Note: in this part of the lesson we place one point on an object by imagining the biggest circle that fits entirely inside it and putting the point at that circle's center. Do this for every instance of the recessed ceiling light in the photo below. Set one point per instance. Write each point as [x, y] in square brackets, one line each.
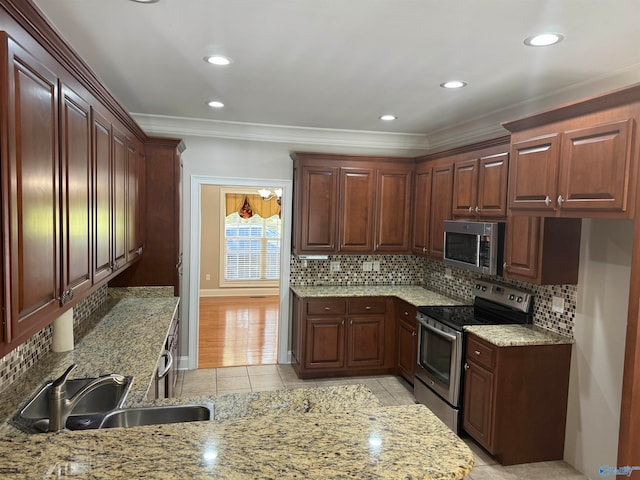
[453, 84]
[543, 39]
[388, 118]
[218, 60]
[216, 104]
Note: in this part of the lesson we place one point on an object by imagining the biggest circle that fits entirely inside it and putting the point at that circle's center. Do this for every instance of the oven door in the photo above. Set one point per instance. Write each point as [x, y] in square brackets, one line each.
[440, 359]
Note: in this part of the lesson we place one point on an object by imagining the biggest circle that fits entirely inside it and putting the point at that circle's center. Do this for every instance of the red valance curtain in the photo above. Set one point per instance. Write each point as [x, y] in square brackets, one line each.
[243, 203]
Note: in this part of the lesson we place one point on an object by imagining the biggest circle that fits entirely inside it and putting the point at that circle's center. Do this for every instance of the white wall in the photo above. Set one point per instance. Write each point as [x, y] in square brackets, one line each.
[597, 363]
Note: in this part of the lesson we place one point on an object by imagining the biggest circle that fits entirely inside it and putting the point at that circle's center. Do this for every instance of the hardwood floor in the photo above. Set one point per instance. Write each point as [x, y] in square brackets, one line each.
[235, 331]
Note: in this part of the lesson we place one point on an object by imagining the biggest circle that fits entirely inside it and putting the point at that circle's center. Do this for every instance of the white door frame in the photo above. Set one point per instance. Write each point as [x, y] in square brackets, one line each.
[194, 261]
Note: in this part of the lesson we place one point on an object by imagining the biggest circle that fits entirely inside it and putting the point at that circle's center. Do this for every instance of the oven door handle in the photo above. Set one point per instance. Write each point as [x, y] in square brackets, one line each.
[446, 335]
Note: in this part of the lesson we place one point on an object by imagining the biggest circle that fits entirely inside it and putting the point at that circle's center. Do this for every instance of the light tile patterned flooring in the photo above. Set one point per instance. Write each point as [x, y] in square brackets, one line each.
[389, 390]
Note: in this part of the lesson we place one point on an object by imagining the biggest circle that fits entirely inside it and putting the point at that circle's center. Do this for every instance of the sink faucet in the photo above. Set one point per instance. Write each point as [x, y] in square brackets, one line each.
[60, 406]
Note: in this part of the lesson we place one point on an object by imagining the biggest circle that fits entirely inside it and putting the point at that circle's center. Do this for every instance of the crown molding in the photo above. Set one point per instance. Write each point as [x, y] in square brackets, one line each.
[299, 136]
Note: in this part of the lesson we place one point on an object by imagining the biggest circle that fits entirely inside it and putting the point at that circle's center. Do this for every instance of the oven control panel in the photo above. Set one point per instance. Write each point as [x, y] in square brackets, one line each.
[507, 295]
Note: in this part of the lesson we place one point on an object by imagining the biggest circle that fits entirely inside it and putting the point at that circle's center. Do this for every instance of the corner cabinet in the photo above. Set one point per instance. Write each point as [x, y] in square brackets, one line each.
[350, 204]
[515, 399]
[339, 336]
[579, 160]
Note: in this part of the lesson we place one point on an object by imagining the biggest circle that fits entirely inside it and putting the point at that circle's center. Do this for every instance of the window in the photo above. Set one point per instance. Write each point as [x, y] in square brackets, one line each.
[252, 249]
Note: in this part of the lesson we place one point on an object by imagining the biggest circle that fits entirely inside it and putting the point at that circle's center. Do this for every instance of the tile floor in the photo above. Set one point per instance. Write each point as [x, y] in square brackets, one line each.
[389, 390]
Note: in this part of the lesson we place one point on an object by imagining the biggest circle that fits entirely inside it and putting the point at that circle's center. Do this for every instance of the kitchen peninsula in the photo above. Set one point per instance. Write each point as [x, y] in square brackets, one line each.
[332, 432]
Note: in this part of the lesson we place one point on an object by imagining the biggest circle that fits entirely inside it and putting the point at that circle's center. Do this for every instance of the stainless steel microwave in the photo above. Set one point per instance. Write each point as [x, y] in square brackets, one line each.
[476, 246]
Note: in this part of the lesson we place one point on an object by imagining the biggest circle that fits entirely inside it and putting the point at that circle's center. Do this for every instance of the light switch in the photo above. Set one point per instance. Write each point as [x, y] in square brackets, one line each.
[335, 266]
[207, 276]
[367, 266]
[376, 266]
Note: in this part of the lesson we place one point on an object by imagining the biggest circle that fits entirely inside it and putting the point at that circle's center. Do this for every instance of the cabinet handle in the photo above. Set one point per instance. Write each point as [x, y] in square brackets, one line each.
[406, 314]
[476, 352]
[466, 366]
[342, 323]
[477, 210]
[350, 322]
[547, 201]
[139, 251]
[413, 334]
[367, 307]
[327, 308]
[424, 250]
[470, 209]
[560, 200]
[505, 265]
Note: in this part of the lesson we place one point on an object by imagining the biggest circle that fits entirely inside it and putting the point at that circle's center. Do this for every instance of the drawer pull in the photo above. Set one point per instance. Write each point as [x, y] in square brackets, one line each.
[476, 352]
[406, 314]
[367, 307]
[327, 308]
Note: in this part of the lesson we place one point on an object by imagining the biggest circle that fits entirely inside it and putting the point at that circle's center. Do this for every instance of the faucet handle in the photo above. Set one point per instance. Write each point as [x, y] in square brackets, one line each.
[60, 381]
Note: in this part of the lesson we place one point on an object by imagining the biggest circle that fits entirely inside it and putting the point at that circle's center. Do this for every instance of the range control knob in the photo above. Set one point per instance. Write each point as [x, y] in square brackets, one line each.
[477, 286]
[484, 289]
[511, 297]
[519, 300]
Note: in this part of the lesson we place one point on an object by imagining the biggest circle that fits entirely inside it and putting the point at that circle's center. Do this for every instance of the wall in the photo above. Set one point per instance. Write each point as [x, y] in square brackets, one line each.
[595, 387]
[18, 361]
[210, 235]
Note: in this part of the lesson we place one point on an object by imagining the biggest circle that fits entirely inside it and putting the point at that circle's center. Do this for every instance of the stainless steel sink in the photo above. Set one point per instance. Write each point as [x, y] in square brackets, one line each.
[88, 413]
[135, 417]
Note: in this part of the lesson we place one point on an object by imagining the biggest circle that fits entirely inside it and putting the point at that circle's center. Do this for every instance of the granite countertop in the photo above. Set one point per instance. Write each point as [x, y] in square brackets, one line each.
[330, 432]
[517, 335]
[413, 294]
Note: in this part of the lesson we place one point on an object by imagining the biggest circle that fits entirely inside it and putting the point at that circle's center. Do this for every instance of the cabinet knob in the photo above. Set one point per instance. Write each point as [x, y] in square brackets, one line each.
[560, 200]
[424, 250]
[547, 201]
[406, 314]
[413, 334]
[327, 308]
[470, 209]
[477, 209]
[367, 307]
[139, 251]
[476, 352]
[505, 265]
[466, 366]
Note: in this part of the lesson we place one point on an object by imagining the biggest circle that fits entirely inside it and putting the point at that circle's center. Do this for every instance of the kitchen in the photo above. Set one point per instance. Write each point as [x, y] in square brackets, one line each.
[268, 160]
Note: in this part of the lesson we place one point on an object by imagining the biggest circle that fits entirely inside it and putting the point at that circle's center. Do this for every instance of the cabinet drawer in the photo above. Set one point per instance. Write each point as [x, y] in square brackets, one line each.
[367, 305]
[406, 312]
[326, 306]
[480, 353]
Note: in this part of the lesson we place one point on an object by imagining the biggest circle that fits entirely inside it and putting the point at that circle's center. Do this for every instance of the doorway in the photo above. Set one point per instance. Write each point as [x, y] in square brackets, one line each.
[244, 324]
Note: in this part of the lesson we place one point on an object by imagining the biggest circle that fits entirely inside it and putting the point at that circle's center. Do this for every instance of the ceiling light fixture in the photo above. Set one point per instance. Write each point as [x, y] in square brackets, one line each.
[543, 39]
[217, 60]
[215, 104]
[453, 84]
[388, 118]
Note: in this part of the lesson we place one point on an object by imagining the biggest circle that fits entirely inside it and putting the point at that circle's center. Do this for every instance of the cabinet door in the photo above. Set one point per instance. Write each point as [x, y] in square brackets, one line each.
[30, 193]
[595, 167]
[119, 205]
[421, 213]
[318, 206]
[77, 205]
[356, 209]
[103, 218]
[465, 188]
[479, 402]
[522, 237]
[492, 185]
[366, 341]
[135, 165]
[532, 173]
[441, 191]
[393, 211]
[407, 349]
[325, 341]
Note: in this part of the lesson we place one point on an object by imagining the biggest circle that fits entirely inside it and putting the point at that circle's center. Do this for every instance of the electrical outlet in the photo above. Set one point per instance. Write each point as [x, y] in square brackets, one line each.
[557, 304]
[367, 266]
[304, 264]
[335, 266]
[376, 266]
[207, 276]
[447, 273]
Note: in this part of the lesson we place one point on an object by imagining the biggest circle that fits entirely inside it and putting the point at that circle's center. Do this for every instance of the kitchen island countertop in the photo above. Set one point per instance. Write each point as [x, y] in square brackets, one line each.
[331, 432]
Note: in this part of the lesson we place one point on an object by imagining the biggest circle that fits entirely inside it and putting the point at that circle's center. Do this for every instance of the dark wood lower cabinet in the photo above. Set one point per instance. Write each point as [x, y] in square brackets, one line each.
[515, 399]
[407, 334]
[342, 336]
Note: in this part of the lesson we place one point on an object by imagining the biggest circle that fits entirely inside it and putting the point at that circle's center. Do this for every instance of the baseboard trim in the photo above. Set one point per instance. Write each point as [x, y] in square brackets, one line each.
[244, 292]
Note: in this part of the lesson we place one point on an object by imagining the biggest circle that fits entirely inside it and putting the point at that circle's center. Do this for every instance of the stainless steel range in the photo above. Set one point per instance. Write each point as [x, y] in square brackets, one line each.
[440, 374]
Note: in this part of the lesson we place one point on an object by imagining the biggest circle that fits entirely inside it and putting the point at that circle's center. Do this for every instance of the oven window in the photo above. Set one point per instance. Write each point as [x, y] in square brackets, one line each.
[462, 247]
[435, 355]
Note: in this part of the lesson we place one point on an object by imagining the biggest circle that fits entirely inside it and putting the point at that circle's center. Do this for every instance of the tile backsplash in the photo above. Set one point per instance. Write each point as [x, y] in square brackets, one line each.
[460, 286]
[413, 270]
[18, 361]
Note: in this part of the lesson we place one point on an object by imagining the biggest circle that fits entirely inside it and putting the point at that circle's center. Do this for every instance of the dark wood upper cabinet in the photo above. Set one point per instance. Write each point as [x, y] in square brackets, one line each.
[356, 209]
[393, 210]
[30, 191]
[349, 204]
[135, 200]
[441, 199]
[76, 190]
[119, 196]
[577, 161]
[421, 230]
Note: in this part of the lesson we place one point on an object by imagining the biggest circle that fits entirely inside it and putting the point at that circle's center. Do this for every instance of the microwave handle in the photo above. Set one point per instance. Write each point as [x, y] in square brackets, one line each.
[478, 251]
[446, 335]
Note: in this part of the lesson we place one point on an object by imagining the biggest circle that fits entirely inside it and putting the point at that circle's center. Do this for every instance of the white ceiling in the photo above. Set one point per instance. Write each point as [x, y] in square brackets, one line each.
[340, 64]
